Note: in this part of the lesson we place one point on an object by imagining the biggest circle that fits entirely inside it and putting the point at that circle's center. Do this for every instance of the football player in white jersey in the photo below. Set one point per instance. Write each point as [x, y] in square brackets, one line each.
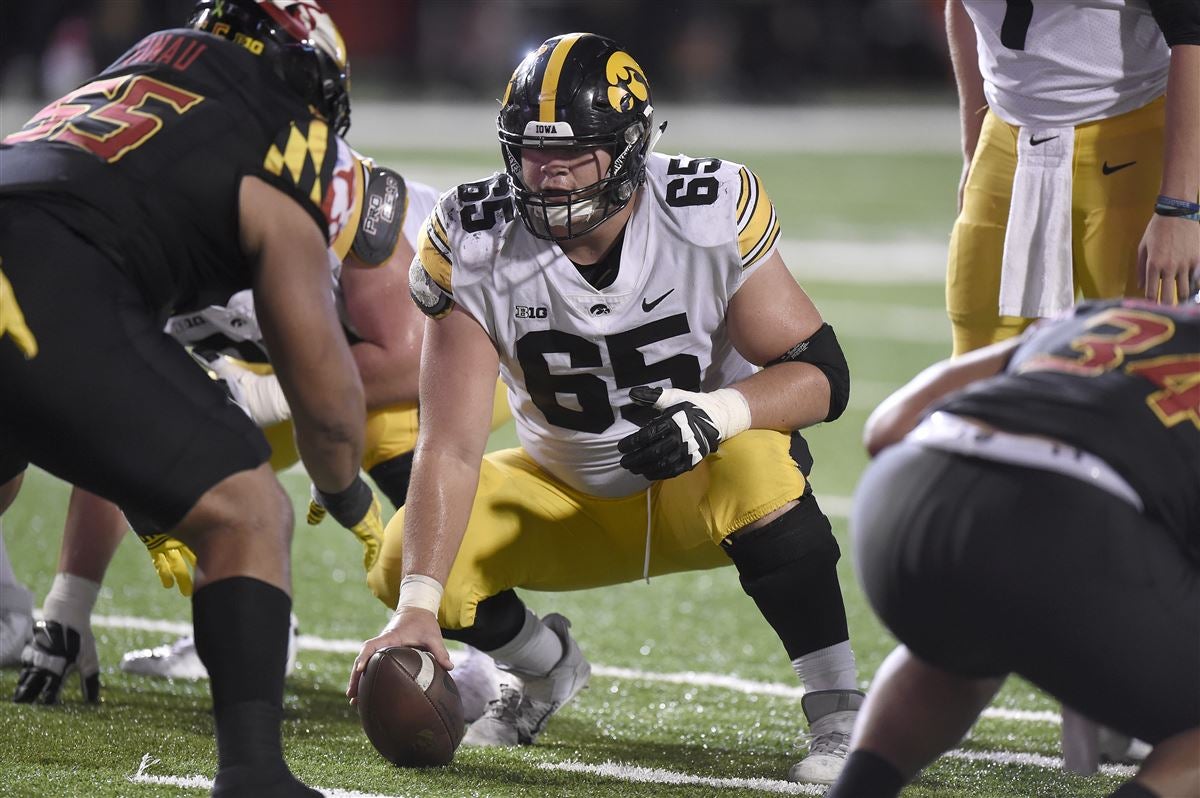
[1081, 146]
[658, 356]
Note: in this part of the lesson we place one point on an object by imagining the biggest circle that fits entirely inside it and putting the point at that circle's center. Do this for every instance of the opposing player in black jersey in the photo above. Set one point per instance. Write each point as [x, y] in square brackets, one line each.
[205, 161]
[1044, 521]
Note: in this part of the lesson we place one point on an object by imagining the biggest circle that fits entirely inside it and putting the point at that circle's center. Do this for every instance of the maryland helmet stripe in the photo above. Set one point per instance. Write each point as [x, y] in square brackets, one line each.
[549, 92]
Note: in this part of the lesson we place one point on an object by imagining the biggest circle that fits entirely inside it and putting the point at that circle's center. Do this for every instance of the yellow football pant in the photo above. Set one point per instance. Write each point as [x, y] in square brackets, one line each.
[1110, 210]
[391, 432]
[527, 530]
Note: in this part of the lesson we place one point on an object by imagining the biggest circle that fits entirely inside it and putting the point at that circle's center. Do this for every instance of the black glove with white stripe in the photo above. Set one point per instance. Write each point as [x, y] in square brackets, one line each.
[55, 652]
[690, 428]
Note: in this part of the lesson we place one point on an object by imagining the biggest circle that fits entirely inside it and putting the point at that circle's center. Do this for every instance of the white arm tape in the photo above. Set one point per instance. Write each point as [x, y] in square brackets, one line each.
[418, 590]
[264, 399]
[260, 395]
[727, 407]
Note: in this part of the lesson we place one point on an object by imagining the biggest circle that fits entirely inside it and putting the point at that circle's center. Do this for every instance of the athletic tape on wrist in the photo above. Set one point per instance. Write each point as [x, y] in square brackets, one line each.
[734, 410]
[420, 591]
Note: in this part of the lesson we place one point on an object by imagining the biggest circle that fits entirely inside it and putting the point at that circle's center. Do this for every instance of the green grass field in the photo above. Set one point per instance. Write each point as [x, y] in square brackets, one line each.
[690, 737]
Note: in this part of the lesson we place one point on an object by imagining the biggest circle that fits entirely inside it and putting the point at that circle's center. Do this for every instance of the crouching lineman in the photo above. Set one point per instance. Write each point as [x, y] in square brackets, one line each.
[192, 168]
[1044, 522]
[370, 258]
[629, 311]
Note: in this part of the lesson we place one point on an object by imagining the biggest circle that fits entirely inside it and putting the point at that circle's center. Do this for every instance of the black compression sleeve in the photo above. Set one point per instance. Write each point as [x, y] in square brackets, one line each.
[1178, 19]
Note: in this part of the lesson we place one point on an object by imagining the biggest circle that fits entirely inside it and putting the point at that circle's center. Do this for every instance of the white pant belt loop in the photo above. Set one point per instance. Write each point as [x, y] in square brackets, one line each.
[951, 433]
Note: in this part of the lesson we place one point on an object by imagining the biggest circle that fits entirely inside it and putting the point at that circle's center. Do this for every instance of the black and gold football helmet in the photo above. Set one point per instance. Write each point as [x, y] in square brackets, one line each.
[297, 38]
[577, 90]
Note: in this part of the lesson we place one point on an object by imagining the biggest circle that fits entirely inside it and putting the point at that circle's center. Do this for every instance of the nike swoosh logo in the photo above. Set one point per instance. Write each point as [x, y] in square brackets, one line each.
[1108, 170]
[649, 306]
[1034, 142]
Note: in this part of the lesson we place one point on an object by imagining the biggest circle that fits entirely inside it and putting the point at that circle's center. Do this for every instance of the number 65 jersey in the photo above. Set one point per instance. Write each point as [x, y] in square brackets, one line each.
[569, 352]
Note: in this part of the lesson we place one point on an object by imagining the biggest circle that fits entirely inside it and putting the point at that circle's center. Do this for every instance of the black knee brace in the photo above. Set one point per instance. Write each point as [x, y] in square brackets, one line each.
[789, 568]
[391, 477]
[498, 620]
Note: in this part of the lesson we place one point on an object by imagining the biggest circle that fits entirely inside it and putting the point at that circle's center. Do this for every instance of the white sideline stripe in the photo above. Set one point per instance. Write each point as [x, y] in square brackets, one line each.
[636, 773]
[903, 260]
[205, 783]
[887, 321]
[1033, 760]
[689, 678]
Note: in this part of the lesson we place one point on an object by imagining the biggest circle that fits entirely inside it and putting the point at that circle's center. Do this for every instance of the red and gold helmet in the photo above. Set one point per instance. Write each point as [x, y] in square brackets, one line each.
[299, 40]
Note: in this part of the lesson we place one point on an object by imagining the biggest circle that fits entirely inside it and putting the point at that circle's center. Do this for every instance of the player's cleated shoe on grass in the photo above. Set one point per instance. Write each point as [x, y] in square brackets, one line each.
[831, 715]
[478, 681]
[520, 714]
[179, 660]
[16, 624]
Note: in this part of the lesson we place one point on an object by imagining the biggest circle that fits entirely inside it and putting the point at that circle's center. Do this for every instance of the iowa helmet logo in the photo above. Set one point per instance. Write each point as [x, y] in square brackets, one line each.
[626, 82]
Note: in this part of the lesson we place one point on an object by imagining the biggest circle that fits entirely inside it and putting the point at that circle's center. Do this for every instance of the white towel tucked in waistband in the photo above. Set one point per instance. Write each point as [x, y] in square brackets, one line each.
[1035, 279]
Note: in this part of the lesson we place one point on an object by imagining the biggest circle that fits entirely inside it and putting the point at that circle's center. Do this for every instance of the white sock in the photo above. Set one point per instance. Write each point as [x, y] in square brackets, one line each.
[70, 601]
[830, 668]
[14, 596]
[535, 649]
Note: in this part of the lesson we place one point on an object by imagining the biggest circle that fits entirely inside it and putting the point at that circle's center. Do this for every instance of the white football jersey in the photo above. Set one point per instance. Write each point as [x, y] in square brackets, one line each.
[569, 352]
[233, 329]
[1067, 62]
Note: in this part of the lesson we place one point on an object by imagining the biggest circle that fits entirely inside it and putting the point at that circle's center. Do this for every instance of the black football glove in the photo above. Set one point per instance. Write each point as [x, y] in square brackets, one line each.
[56, 651]
[672, 443]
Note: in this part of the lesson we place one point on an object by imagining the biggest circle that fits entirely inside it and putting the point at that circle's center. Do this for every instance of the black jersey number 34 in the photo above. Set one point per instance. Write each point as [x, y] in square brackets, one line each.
[629, 369]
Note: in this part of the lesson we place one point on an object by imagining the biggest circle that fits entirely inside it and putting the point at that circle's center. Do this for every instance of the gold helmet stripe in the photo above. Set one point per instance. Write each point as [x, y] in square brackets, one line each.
[549, 92]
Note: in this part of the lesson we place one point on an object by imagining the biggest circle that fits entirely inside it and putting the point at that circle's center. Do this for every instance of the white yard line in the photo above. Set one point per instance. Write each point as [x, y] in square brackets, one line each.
[1033, 760]
[719, 681]
[887, 321]
[643, 775]
[915, 260]
[205, 783]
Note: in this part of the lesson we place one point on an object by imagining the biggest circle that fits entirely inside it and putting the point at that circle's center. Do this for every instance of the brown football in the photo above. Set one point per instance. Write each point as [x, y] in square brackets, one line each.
[409, 707]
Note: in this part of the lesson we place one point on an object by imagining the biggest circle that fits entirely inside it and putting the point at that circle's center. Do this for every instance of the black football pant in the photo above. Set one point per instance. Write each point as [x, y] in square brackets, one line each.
[985, 569]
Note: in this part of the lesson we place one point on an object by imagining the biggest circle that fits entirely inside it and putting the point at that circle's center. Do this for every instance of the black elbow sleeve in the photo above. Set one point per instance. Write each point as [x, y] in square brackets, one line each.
[1178, 19]
[821, 349]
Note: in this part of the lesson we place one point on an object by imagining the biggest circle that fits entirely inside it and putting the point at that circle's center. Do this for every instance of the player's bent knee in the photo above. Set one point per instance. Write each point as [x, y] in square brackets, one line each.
[246, 509]
[801, 533]
[498, 619]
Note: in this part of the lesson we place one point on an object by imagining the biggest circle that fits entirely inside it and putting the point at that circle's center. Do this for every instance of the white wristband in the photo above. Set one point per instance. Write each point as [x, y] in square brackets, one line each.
[727, 407]
[733, 412]
[260, 395]
[420, 591]
[264, 399]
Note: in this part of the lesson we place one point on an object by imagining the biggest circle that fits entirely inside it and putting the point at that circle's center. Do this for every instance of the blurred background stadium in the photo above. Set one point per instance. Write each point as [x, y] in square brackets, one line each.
[759, 51]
